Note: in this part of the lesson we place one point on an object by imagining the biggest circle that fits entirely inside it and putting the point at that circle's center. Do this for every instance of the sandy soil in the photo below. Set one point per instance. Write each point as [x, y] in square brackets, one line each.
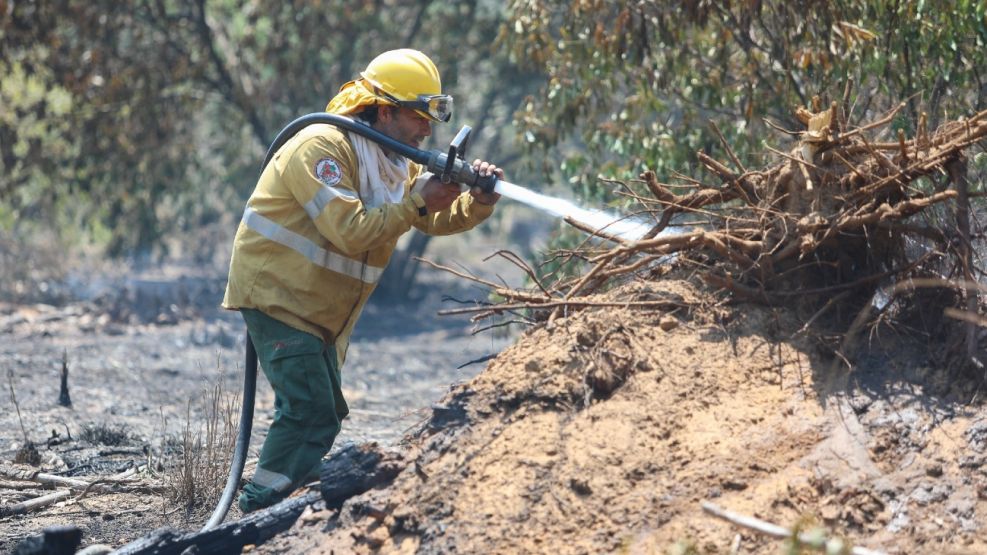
[143, 352]
[606, 432]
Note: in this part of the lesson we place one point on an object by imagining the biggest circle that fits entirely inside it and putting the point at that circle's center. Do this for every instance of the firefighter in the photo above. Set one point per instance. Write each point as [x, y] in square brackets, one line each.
[314, 239]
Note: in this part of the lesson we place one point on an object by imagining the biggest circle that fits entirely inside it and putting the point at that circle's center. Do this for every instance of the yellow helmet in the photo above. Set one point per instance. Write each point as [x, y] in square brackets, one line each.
[408, 78]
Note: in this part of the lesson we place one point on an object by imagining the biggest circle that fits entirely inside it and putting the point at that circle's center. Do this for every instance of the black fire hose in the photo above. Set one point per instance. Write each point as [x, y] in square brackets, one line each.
[450, 166]
[242, 438]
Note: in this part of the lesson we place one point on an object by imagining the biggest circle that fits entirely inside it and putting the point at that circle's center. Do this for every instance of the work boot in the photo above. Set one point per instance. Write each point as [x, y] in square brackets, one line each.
[254, 497]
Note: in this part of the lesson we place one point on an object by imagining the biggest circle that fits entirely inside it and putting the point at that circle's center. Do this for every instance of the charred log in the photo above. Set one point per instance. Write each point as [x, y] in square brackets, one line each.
[350, 472]
[56, 540]
[230, 538]
[356, 469]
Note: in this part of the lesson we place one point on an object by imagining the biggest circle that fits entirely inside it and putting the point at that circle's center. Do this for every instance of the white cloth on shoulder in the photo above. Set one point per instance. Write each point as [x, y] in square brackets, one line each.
[382, 180]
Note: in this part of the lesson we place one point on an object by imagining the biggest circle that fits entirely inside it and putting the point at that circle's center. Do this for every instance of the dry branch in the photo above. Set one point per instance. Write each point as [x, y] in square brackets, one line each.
[36, 503]
[231, 537]
[349, 472]
[781, 532]
[662, 305]
[110, 484]
[592, 231]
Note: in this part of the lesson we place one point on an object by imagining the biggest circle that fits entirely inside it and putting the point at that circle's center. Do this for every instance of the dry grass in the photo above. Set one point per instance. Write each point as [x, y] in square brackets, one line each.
[206, 447]
[28, 453]
[106, 434]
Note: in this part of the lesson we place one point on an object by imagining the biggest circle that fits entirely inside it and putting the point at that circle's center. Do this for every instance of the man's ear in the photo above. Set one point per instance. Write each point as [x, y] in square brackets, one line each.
[385, 113]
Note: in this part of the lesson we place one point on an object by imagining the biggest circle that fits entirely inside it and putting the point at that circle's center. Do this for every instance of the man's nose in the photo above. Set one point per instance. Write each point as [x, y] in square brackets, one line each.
[426, 128]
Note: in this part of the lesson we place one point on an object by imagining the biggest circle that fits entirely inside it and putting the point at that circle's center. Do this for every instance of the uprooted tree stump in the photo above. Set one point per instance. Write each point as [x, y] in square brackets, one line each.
[842, 220]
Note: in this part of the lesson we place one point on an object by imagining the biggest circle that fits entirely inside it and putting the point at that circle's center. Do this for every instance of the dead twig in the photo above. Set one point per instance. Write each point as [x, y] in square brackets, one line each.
[873, 125]
[832, 545]
[566, 303]
[517, 261]
[594, 232]
[726, 146]
[13, 399]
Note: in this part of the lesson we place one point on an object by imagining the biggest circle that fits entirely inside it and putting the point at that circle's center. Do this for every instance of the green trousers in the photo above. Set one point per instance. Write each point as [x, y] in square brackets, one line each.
[308, 408]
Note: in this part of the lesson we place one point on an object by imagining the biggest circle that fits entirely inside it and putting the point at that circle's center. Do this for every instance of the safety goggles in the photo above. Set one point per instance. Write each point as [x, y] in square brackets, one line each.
[437, 106]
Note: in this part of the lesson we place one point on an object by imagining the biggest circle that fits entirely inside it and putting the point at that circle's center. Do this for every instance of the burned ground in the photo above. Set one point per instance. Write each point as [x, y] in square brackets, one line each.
[139, 372]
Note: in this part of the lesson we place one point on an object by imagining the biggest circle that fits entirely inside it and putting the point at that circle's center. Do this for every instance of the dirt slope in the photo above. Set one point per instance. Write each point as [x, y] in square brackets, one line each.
[604, 433]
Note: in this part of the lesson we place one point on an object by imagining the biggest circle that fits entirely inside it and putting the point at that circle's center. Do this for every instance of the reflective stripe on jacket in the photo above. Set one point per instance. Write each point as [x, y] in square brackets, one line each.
[307, 252]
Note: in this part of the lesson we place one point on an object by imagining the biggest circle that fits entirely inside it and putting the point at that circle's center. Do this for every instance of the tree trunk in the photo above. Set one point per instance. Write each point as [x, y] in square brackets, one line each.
[399, 279]
[957, 174]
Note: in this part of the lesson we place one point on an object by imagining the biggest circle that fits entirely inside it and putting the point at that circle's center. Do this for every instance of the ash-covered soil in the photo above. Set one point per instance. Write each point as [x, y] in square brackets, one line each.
[604, 433]
[143, 352]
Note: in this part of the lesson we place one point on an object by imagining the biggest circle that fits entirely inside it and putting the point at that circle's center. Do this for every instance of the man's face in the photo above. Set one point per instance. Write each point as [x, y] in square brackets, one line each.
[403, 124]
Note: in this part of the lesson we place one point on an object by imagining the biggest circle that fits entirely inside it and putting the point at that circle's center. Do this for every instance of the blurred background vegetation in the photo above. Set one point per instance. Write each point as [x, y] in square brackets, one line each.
[136, 128]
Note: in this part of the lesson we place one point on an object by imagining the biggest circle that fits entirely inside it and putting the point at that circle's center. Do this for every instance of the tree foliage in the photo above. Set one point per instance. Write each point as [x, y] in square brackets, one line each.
[632, 85]
[132, 120]
[88, 118]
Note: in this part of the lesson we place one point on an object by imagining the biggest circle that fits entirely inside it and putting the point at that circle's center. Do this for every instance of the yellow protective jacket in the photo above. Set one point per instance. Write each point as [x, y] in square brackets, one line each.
[308, 252]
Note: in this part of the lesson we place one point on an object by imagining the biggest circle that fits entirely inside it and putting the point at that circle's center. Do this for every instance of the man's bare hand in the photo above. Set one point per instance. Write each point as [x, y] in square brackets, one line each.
[485, 169]
[438, 195]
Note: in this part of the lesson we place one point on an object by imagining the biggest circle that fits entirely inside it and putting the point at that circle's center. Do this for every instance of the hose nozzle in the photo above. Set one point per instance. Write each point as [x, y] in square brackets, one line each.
[452, 166]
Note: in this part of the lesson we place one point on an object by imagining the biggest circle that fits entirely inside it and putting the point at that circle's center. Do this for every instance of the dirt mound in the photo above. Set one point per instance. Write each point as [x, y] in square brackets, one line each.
[840, 397]
[604, 432]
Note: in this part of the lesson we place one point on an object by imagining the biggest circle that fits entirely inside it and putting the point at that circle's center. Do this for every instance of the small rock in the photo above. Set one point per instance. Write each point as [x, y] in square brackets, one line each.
[580, 486]
[311, 516]
[928, 494]
[668, 323]
[734, 484]
[376, 537]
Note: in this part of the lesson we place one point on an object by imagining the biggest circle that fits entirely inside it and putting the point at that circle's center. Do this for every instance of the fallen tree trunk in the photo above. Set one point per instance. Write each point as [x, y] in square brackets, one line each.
[350, 472]
[839, 211]
[253, 529]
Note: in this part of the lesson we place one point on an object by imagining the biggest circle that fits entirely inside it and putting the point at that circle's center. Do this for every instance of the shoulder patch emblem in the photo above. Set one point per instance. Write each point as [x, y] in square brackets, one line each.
[327, 171]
